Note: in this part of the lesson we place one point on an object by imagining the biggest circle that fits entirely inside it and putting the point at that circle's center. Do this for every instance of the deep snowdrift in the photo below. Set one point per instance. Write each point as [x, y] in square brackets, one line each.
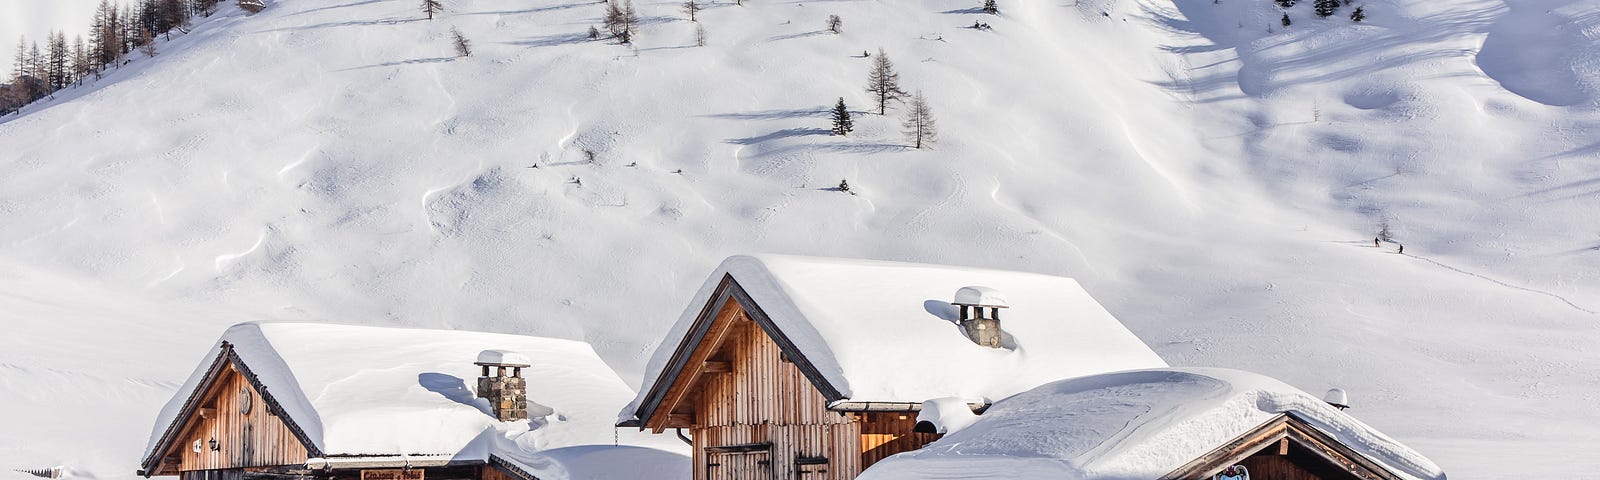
[1213, 184]
[1133, 425]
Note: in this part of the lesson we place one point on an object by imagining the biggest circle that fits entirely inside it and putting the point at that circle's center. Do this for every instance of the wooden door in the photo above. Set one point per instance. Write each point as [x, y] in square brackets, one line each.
[752, 465]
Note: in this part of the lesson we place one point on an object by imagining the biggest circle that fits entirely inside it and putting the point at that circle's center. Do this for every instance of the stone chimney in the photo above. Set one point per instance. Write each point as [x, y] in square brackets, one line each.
[507, 394]
[980, 314]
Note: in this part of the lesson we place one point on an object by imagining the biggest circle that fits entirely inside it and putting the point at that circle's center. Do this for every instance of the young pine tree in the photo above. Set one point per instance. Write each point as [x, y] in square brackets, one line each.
[1285, 21]
[883, 82]
[431, 7]
[1324, 8]
[834, 23]
[990, 7]
[463, 46]
[919, 125]
[841, 119]
[1358, 15]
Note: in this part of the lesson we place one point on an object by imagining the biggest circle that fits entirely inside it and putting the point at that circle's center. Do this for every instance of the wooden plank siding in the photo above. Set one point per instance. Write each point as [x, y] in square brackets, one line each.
[254, 439]
[768, 419]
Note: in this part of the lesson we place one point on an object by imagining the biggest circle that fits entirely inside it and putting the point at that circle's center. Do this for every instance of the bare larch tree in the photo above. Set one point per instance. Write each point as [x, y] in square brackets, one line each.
[883, 82]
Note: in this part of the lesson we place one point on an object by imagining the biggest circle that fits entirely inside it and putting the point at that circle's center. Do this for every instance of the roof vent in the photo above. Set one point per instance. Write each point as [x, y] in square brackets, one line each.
[507, 394]
[980, 314]
[1337, 398]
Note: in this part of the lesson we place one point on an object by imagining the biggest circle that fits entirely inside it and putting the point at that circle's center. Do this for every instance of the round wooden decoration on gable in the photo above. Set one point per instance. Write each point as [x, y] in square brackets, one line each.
[245, 398]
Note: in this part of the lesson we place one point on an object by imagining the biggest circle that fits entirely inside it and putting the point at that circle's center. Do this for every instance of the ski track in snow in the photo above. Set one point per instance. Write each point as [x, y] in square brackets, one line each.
[1503, 284]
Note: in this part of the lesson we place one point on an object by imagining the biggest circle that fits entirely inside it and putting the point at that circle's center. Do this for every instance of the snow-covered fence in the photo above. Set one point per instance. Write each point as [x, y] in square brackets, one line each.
[52, 472]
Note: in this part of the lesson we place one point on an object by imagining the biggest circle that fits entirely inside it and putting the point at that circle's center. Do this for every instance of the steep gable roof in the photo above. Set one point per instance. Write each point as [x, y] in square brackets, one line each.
[224, 360]
[366, 391]
[872, 331]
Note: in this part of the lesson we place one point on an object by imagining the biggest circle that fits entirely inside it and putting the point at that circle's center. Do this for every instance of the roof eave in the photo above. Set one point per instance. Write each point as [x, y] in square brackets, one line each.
[727, 289]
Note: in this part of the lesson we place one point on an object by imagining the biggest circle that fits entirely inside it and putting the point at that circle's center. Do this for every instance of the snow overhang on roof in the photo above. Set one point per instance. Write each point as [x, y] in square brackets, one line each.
[886, 331]
[365, 391]
[1138, 424]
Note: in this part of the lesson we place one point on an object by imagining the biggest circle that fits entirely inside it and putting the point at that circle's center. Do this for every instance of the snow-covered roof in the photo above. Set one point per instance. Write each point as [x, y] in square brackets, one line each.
[885, 331]
[389, 391]
[1134, 425]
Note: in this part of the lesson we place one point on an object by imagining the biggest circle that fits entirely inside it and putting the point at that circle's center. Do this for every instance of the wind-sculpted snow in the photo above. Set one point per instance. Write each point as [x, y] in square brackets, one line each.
[1213, 179]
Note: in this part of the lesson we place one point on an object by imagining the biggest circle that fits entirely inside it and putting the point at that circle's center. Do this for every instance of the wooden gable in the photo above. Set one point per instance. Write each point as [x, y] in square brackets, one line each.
[1286, 448]
[229, 421]
[757, 408]
[706, 336]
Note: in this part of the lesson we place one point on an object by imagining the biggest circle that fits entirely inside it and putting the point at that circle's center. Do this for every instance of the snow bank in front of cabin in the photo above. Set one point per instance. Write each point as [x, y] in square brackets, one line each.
[373, 391]
[1133, 425]
[600, 462]
[886, 331]
[948, 414]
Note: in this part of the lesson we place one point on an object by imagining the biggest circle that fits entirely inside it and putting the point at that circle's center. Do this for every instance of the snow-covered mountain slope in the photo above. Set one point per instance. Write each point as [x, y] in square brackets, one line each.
[1213, 178]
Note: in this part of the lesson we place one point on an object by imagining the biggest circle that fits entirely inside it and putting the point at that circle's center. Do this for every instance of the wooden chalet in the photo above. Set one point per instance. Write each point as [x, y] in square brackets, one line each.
[813, 368]
[388, 404]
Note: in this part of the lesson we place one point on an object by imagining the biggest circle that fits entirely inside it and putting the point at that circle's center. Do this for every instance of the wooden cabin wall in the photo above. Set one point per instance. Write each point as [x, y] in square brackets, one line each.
[887, 433]
[765, 399]
[256, 439]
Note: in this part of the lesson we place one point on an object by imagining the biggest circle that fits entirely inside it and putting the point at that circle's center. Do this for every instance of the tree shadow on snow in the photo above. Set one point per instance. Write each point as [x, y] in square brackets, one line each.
[331, 7]
[356, 23]
[964, 11]
[530, 10]
[399, 63]
[797, 35]
[453, 388]
[552, 40]
[679, 47]
[773, 114]
[835, 147]
[785, 133]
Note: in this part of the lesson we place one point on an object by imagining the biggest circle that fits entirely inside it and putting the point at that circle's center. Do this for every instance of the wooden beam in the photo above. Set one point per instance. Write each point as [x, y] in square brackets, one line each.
[716, 367]
[680, 420]
[1283, 446]
[684, 383]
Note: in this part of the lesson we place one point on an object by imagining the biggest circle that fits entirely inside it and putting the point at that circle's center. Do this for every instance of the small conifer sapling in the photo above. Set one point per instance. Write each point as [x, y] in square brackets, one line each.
[431, 7]
[1358, 15]
[841, 119]
[1285, 21]
[463, 46]
[1325, 8]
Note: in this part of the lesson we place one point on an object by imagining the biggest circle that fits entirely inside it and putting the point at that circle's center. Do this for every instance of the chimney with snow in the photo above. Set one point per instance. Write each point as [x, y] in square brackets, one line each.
[980, 314]
[507, 394]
